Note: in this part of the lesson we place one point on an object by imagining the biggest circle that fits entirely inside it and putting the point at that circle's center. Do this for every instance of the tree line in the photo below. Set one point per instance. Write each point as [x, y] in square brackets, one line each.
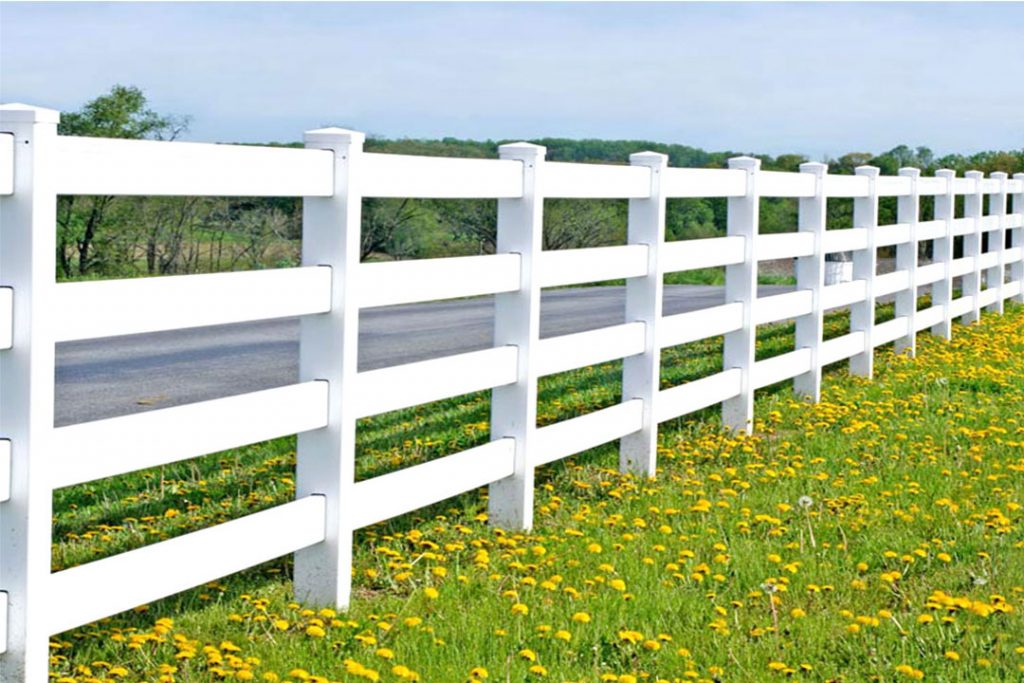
[107, 236]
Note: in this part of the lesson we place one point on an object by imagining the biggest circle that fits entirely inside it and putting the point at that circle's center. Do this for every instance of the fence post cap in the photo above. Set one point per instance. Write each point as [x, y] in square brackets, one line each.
[16, 112]
[1018, 176]
[910, 172]
[815, 167]
[945, 173]
[869, 171]
[325, 135]
[978, 175]
[522, 150]
[998, 175]
[648, 158]
[745, 163]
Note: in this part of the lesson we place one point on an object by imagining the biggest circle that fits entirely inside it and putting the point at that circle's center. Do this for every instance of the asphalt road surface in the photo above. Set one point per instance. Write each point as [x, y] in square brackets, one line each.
[103, 378]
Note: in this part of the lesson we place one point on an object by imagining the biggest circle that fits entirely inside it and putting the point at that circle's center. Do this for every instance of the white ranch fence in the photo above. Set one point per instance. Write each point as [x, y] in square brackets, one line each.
[333, 174]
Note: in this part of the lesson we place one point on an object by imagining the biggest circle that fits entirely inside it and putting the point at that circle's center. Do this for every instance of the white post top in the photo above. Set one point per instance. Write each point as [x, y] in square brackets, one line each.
[910, 172]
[745, 163]
[998, 175]
[16, 112]
[945, 173]
[816, 167]
[1018, 176]
[522, 150]
[977, 175]
[648, 159]
[323, 135]
[869, 171]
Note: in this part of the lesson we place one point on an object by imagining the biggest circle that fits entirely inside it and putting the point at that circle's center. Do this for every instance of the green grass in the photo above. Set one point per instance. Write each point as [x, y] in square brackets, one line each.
[914, 483]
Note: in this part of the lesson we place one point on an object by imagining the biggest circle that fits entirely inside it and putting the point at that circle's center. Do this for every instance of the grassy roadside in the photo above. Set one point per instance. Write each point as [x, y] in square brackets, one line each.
[874, 536]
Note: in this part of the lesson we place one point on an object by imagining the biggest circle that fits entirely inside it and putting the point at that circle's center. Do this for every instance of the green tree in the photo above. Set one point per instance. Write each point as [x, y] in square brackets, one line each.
[121, 113]
[579, 223]
[687, 219]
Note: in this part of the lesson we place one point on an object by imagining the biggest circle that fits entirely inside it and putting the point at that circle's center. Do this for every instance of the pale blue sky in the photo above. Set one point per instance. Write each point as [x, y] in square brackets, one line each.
[811, 78]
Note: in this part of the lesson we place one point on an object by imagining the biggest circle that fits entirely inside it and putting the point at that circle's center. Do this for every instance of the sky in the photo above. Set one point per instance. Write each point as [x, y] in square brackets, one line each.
[814, 79]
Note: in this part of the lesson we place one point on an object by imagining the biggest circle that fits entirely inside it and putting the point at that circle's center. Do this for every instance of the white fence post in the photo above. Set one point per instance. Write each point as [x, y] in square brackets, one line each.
[942, 252]
[973, 204]
[908, 210]
[810, 274]
[329, 352]
[27, 265]
[996, 275]
[517, 322]
[641, 374]
[1017, 239]
[865, 267]
[741, 287]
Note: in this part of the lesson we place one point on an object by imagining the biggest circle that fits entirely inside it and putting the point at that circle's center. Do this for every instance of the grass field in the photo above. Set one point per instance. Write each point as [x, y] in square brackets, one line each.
[874, 536]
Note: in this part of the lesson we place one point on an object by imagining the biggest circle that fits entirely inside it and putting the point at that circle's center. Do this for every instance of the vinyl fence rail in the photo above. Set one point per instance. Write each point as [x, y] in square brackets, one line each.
[333, 174]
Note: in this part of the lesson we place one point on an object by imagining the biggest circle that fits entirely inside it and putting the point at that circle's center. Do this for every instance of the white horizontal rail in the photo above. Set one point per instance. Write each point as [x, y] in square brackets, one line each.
[390, 283]
[6, 164]
[844, 294]
[711, 252]
[989, 296]
[703, 182]
[961, 266]
[1015, 220]
[989, 259]
[963, 226]
[5, 470]
[893, 186]
[961, 306]
[401, 386]
[100, 166]
[106, 448]
[412, 488]
[964, 186]
[930, 230]
[559, 267]
[927, 317]
[850, 239]
[890, 283]
[781, 184]
[3, 621]
[990, 223]
[890, 235]
[107, 308]
[596, 181]
[933, 272]
[891, 330]
[683, 328]
[1012, 289]
[841, 348]
[578, 350]
[6, 317]
[398, 175]
[846, 186]
[91, 591]
[700, 393]
[1013, 255]
[931, 186]
[781, 367]
[577, 434]
[786, 306]
[784, 245]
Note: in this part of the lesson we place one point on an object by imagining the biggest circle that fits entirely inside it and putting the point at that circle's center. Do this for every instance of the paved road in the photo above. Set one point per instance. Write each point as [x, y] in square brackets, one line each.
[121, 375]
